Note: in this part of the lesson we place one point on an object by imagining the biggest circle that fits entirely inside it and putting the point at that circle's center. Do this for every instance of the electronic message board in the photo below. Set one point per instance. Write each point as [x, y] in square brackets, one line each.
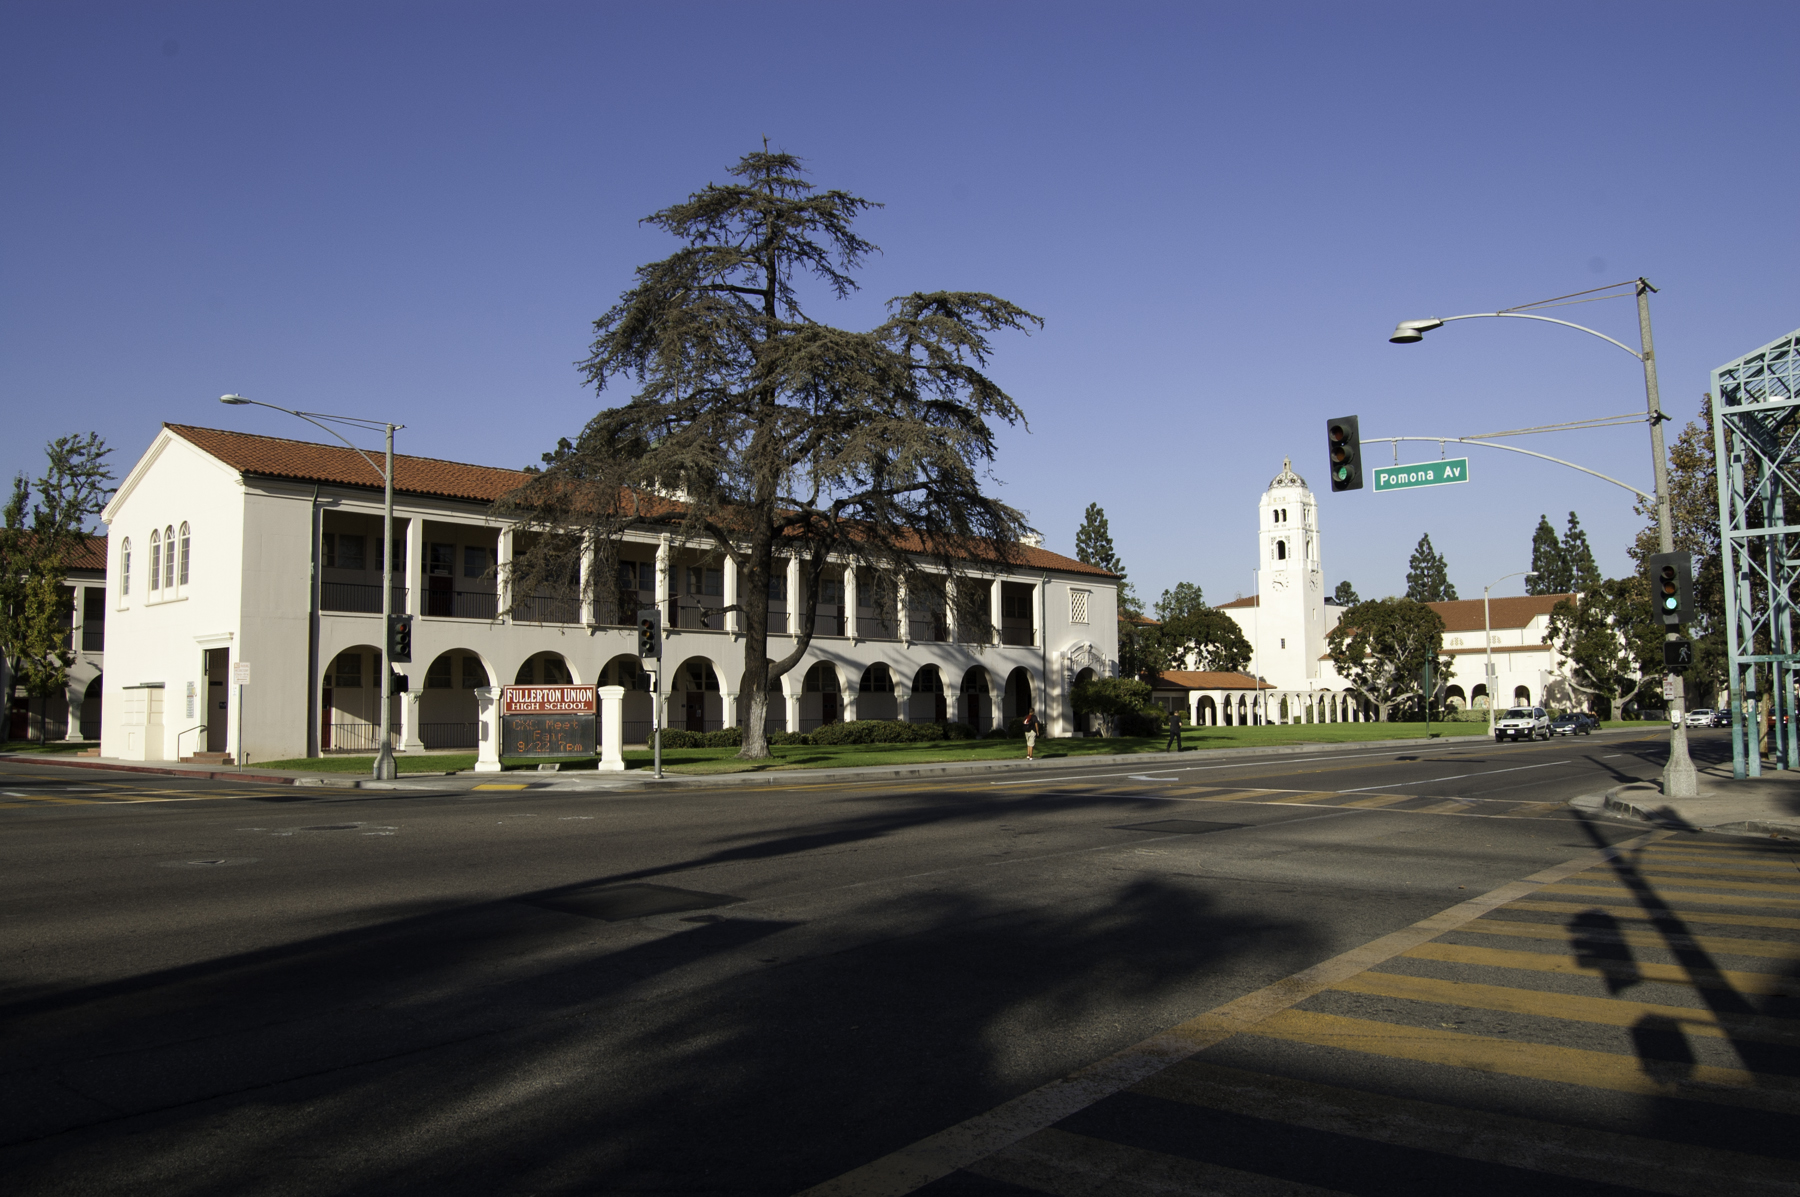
[549, 721]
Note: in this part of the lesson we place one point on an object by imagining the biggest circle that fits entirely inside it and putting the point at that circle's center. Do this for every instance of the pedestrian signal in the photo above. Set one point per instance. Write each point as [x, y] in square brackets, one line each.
[650, 632]
[1678, 654]
[1672, 587]
[399, 638]
[1344, 451]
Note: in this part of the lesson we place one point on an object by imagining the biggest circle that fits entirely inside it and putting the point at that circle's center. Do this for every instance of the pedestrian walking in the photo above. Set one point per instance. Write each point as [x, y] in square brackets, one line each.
[1032, 727]
[1174, 744]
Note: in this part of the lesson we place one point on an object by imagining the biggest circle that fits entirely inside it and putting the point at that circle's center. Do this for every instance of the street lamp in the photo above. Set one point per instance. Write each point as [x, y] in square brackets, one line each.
[385, 769]
[1487, 638]
[1678, 775]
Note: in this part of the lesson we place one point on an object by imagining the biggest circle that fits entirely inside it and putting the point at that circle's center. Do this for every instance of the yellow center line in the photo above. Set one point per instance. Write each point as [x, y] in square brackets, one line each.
[1536, 1061]
[1759, 984]
[1606, 1011]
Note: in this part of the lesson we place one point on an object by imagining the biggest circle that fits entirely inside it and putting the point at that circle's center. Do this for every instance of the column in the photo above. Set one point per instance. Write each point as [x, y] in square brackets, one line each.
[792, 702]
[414, 577]
[795, 606]
[409, 722]
[902, 696]
[994, 618]
[590, 590]
[662, 585]
[612, 729]
[852, 604]
[734, 620]
[950, 607]
[503, 583]
[728, 705]
[902, 613]
[487, 710]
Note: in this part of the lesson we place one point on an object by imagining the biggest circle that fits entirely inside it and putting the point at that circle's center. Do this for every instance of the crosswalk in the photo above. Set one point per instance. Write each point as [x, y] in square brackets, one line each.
[1423, 804]
[1628, 1027]
[24, 794]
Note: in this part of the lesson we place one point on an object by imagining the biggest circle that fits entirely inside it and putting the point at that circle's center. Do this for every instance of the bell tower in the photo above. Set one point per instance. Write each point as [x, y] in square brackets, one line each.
[1290, 618]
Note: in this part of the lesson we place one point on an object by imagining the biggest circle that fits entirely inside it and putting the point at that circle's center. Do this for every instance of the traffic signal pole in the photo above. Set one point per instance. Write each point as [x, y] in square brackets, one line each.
[385, 769]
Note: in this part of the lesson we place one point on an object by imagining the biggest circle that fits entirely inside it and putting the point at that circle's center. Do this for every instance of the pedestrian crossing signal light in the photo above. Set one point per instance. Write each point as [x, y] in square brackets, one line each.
[650, 632]
[1672, 587]
[400, 638]
[1344, 448]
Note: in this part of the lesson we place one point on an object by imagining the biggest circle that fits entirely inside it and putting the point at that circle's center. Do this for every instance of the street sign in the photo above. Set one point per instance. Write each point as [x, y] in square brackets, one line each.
[1430, 473]
[240, 673]
[1669, 688]
[1678, 654]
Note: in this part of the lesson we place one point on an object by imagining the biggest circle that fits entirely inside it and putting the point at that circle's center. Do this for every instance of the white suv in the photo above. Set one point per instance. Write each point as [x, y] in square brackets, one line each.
[1522, 723]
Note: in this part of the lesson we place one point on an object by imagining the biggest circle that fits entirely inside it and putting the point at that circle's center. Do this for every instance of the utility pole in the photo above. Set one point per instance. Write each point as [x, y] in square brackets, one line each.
[385, 769]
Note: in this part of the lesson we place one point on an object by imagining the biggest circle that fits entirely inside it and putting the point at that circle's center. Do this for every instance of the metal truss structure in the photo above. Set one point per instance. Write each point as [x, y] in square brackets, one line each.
[1756, 441]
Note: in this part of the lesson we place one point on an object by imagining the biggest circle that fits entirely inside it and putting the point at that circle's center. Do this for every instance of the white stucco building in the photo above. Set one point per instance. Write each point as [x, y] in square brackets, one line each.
[73, 713]
[227, 549]
[1288, 620]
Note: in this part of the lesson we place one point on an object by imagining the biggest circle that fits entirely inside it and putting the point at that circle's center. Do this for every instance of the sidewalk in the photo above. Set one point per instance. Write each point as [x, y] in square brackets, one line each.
[1768, 805]
[640, 779]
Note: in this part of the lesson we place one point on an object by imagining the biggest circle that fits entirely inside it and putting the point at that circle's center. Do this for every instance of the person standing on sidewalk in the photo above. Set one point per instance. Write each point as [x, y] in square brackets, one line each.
[1032, 727]
[1174, 744]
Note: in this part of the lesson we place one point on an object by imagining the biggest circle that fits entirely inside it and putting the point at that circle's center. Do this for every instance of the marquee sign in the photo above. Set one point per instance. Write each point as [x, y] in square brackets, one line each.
[549, 721]
[549, 700]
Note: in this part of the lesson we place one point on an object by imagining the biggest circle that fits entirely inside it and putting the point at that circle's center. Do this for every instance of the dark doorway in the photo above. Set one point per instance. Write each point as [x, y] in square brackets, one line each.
[218, 699]
[696, 711]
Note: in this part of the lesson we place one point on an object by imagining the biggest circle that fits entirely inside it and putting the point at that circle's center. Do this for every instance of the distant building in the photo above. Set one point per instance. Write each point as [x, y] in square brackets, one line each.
[266, 551]
[74, 713]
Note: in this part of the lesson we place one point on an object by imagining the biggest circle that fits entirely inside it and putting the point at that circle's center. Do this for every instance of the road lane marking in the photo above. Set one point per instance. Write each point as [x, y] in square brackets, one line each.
[1600, 889]
[508, 786]
[1759, 984]
[1423, 781]
[1380, 800]
[1534, 1061]
[936, 1156]
[1638, 939]
[1636, 914]
[1570, 1007]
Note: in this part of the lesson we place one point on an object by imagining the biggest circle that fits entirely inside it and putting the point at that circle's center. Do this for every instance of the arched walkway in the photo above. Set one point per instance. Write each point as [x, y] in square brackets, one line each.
[1455, 698]
[636, 711]
[1522, 695]
[775, 717]
[976, 704]
[1478, 697]
[89, 716]
[349, 702]
[695, 702]
[821, 697]
[1085, 724]
[875, 694]
[1208, 712]
[447, 708]
[927, 704]
[1018, 698]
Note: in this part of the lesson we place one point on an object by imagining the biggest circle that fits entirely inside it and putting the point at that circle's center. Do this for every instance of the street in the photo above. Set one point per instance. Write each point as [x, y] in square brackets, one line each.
[215, 987]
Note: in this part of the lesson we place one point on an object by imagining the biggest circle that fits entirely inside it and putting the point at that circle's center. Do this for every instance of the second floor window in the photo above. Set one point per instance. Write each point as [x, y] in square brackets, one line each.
[169, 558]
[1078, 604]
[125, 568]
[182, 574]
[156, 561]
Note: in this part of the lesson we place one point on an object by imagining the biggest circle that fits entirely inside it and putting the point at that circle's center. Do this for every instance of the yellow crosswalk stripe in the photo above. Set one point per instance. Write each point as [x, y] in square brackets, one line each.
[498, 787]
[1790, 864]
[1757, 984]
[1636, 914]
[1607, 1011]
[1530, 810]
[1614, 890]
[1535, 1061]
[1310, 798]
[1513, 928]
[1379, 800]
[1747, 869]
[1443, 808]
[1653, 873]
[1237, 795]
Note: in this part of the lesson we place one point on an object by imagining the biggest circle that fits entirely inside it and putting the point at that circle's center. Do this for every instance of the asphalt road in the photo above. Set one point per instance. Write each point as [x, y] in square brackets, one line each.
[227, 988]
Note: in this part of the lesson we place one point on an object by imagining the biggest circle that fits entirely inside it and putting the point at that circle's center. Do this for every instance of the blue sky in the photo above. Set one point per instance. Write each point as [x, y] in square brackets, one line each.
[414, 212]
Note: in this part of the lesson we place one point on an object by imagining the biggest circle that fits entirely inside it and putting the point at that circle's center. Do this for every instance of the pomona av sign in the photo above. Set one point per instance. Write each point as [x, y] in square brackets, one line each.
[1430, 473]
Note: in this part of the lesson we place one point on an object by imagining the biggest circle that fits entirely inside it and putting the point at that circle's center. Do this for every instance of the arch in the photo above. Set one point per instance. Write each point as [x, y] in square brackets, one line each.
[928, 702]
[547, 668]
[695, 701]
[1208, 712]
[169, 557]
[1454, 697]
[975, 699]
[1084, 724]
[349, 702]
[155, 559]
[638, 708]
[1019, 695]
[1478, 697]
[1522, 695]
[88, 718]
[181, 573]
[875, 694]
[821, 696]
[448, 716]
[125, 567]
[1281, 550]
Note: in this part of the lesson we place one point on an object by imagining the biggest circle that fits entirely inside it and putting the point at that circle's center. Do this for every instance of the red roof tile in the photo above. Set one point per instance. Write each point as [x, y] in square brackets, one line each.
[1464, 615]
[307, 461]
[1203, 679]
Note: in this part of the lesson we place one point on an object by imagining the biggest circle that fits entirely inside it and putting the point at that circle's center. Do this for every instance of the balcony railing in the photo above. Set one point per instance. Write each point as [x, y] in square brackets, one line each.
[356, 597]
[461, 604]
[93, 637]
[546, 610]
[1022, 637]
[929, 628]
[354, 737]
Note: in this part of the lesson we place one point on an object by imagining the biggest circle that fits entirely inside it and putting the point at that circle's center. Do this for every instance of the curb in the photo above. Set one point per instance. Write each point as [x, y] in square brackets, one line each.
[1758, 827]
[286, 779]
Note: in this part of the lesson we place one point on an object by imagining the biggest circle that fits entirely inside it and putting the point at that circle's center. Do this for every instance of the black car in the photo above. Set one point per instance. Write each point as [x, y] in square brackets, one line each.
[1573, 724]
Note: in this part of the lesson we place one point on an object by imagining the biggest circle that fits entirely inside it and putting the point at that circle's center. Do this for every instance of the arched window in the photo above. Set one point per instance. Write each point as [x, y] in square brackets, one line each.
[169, 557]
[155, 560]
[125, 567]
[183, 574]
[1281, 550]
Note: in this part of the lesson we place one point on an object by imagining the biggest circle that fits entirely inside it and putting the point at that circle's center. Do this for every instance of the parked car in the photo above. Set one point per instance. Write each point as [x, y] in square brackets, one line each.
[1522, 723]
[1707, 717]
[1573, 724]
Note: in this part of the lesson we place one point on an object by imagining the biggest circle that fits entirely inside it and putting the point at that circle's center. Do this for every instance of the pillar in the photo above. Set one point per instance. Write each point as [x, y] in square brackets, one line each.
[503, 583]
[487, 710]
[902, 611]
[792, 703]
[612, 728]
[74, 693]
[994, 617]
[728, 704]
[413, 578]
[794, 605]
[590, 589]
[902, 696]
[851, 604]
[409, 722]
[734, 620]
[662, 583]
[950, 607]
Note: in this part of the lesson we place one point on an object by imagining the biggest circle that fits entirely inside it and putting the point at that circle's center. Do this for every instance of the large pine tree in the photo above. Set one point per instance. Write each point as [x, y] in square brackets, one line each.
[1094, 545]
[1428, 575]
[1549, 569]
[1578, 557]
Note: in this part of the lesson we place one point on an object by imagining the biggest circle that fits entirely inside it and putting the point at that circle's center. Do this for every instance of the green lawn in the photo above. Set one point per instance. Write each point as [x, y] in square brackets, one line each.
[54, 746]
[800, 756]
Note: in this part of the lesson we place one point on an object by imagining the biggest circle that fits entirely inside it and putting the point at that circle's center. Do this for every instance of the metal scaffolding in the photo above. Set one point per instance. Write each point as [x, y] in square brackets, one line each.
[1756, 441]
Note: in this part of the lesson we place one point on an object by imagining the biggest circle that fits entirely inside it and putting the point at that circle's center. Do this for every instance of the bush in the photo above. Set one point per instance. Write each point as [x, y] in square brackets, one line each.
[1015, 728]
[729, 737]
[786, 737]
[675, 737]
[877, 731]
[1146, 721]
[958, 731]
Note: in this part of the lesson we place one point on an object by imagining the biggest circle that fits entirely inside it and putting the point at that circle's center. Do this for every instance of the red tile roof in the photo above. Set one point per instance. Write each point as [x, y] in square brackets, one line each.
[90, 555]
[1464, 615]
[1249, 600]
[307, 461]
[1201, 679]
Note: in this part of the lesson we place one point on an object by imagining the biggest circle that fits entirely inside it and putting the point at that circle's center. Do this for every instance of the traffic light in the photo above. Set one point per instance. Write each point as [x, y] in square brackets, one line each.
[650, 632]
[1344, 446]
[400, 638]
[1672, 587]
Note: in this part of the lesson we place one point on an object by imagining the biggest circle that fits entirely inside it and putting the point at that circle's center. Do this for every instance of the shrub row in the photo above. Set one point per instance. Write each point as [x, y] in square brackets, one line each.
[859, 731]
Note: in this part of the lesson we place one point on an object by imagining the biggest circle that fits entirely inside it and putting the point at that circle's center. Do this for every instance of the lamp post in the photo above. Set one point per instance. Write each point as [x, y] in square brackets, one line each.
[1679, 780]
[385, 769]
[1487, 637]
